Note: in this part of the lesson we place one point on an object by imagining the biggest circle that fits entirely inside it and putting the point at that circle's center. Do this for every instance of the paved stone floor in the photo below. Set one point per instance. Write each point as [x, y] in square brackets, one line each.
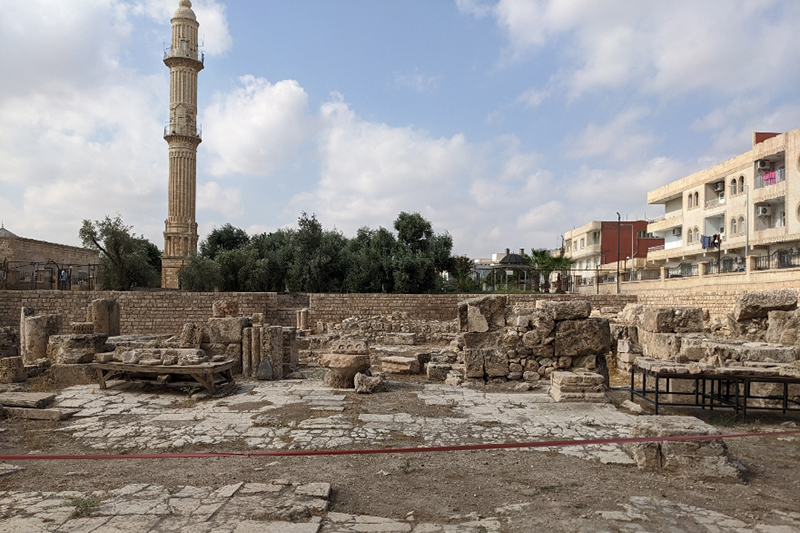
[283, 507]
[165, 423]
[120, 419]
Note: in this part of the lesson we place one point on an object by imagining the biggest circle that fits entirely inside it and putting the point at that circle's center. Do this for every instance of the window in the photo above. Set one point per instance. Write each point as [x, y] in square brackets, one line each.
[643, 234]
[696, 199]
[733, 186]
[583, 243]
[782, 219]
[741, 183]
[691, 197]
[689, 237]
[696, 235]
[742, 227]
[733, 226]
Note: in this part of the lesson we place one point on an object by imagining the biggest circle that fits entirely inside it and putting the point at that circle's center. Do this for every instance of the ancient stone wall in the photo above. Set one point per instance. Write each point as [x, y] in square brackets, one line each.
[140, 312]
[166, 311]
[337, 307]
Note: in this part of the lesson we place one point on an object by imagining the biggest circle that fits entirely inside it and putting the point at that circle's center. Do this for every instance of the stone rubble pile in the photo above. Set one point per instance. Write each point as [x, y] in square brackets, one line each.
[577, 387]
[500, 343]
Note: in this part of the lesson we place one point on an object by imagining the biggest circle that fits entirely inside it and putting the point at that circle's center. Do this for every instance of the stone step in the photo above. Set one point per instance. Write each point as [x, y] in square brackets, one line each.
[26, 399]
[40, 414]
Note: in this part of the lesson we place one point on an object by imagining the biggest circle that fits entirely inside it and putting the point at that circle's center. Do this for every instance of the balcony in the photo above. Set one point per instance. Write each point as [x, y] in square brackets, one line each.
[185, 130]
[586, 251]
[715, 202]
[188, 53]
[770, 178]
[673, 219]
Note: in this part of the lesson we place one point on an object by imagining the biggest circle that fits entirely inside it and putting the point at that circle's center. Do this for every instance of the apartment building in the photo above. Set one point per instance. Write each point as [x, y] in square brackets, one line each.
[747, 205]
[593, 246]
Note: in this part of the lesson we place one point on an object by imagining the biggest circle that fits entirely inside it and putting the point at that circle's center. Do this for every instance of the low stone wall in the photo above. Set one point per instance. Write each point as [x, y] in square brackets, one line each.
[156, 312]
[337, 307]
[153, 312]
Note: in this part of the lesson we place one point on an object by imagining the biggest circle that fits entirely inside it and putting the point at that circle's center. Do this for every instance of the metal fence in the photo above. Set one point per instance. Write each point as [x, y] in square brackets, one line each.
[684, 270]
[779, 259]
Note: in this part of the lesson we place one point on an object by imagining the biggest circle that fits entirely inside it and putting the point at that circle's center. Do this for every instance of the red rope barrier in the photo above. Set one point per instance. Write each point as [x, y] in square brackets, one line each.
[431, 449]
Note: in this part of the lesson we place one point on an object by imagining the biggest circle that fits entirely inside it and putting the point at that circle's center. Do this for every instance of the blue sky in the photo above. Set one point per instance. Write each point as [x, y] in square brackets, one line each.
[504, 122]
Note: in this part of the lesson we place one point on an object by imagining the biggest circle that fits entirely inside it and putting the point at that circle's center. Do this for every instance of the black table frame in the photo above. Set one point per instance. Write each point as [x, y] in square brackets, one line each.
[712, 389]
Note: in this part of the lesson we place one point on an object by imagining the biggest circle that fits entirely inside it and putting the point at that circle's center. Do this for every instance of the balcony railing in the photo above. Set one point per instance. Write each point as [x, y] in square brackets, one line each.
[779, 259]
[714, 202]
[770, 178]
[655, 248]
[684, 270]
[191, 53]
[184, 129]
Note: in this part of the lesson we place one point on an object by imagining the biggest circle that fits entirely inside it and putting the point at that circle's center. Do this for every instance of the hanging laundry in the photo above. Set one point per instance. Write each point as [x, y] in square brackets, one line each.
[704, 242]
[770, 178]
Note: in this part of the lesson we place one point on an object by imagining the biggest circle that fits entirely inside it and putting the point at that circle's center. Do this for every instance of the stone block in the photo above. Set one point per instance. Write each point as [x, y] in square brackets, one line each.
[566, 310]
[291, 356]
[400, 339]
[191, 335]
[531, 376]
[692, 347]
[272, 349]
[473, 362]
[758, 304]
[224, 308]
[782, 327]
[40, 414]
[227, 330]
[485, 313]
[542, 325]
[264, 371]
[351, 346]
[342, 369]
[12, 370]
[631, 314]
[582, 337]
[672, 319]
[660, 345]
[495, 362]
[81, 327]
[695, 459]
[35, 330]
[34, 400]
[437, 371]
[398, 364]
[72, 374]
[105, 315]
[74, 349]
[368, 384]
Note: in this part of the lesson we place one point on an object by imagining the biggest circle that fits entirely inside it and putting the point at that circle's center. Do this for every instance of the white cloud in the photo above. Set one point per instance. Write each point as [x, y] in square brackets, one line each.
[621, 138]
[79, 131]
[416, 81]
[666, 48]
[226, 201]
[255, 127]
[533, 97]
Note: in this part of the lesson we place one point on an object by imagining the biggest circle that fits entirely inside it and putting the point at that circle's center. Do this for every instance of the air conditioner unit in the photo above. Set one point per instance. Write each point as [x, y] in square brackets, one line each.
[719, 186]
[763, 165]
[676, 231]
[763, 211]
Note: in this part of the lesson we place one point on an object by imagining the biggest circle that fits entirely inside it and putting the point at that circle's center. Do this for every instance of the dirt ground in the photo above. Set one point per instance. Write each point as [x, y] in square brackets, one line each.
[436, 486]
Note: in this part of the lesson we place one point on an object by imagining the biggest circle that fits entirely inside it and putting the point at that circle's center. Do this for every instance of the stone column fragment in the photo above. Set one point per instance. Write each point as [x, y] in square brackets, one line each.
[247, 337]
[272, 349]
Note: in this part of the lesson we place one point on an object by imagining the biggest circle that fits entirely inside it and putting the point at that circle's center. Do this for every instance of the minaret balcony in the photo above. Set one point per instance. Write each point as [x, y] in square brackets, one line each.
[184, 130]
[186, 53]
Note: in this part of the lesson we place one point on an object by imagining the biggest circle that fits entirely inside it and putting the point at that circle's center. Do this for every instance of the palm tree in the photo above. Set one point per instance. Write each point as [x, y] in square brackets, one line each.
[540, 260]
[562, 264]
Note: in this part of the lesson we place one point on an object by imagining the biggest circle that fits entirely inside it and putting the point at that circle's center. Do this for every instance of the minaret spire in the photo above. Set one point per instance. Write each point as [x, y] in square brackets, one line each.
[183, 135]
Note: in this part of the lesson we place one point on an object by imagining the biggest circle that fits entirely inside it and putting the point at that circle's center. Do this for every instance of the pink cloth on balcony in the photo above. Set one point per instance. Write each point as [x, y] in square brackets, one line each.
[770, 177]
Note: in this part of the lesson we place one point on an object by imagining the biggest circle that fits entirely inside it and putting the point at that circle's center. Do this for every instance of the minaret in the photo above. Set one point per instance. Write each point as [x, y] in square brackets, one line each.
[183, 136]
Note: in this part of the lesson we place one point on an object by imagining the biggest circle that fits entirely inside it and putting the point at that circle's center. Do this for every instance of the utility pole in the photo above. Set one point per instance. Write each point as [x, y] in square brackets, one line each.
[619, 223]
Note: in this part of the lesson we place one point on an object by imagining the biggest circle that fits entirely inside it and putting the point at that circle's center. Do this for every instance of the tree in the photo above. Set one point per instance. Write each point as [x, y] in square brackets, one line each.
[126, 261]
[420, 255]
[200, 274]
[223, 239]
[546, 264]
[462, 274]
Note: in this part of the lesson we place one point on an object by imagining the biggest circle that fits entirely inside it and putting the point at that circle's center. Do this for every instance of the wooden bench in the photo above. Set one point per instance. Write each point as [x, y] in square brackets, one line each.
[204, 373]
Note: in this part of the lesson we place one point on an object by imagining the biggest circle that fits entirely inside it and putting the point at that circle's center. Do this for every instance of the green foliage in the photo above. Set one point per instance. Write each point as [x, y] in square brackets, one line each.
[200, 274]
[312, 259]
[83, 507]
[126, 261]
[223, 239]
[461, 275]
